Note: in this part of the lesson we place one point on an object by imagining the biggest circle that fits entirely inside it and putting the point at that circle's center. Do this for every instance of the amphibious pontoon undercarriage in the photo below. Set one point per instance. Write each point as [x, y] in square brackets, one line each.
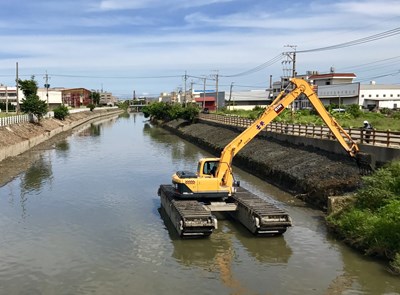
[192, 218]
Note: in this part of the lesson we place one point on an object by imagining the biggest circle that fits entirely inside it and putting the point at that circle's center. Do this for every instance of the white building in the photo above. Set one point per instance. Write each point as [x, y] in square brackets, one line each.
[9, 94]
[52, 96]
[338, 88]
[247, 100]
[378, 96]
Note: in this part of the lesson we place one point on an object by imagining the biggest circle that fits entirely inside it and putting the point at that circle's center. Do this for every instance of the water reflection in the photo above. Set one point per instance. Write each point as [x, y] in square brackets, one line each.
[265, 249]
[124, 115]
[36, 175]
[92, 130]
[179, 150]
[217, 254]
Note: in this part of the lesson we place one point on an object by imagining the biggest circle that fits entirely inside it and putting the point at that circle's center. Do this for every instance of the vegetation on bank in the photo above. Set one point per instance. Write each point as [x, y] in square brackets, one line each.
[61, 112]
[372, 221]
[352, 116]
[171, 111]
[32, 104]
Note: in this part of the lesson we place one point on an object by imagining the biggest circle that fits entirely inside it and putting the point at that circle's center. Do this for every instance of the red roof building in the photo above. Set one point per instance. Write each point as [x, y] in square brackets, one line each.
[207, 102]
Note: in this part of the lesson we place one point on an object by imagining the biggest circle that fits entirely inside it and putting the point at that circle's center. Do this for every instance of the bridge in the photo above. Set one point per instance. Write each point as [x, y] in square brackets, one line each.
[136, 108]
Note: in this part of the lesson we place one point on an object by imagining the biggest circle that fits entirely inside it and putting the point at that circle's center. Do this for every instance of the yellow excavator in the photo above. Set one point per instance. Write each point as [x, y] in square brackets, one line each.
[214, 178]
[193, 198]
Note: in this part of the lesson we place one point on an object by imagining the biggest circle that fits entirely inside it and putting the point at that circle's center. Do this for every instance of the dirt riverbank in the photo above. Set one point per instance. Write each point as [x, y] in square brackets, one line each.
[311, 175]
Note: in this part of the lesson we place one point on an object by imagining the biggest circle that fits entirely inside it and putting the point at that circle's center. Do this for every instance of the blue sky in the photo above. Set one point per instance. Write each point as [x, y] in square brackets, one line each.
[147, 45]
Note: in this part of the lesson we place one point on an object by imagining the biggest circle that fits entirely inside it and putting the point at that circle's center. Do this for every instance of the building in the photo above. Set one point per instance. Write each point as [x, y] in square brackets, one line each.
[340, 90]
[248, 100]
[377, 96]
[107, 99]
[8, 95]
[53, 96]
[206, 102]
[76, 97]
[209, 99]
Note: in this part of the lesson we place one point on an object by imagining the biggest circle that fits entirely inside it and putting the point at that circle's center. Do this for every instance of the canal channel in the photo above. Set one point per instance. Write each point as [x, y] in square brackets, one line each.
[80, 215]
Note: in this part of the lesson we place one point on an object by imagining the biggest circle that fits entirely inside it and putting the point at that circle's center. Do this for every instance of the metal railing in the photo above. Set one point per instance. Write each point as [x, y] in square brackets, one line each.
[373, 137]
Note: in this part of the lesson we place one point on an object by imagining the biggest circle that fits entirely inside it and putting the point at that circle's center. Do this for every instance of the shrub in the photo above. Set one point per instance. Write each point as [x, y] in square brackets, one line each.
[91, 106]
[61, 112]
[373, 222]
[354, 110]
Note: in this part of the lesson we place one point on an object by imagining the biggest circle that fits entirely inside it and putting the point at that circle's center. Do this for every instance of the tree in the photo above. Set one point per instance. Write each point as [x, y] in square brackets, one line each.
[32, 104]
[95, 98]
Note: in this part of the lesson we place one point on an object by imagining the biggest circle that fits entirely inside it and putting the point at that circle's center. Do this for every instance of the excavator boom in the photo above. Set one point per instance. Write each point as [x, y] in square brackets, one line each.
[284, 99]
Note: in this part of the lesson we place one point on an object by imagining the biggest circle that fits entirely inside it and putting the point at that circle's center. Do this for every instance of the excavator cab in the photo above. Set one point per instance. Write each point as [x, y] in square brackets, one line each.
[200, 185]
[207, 167]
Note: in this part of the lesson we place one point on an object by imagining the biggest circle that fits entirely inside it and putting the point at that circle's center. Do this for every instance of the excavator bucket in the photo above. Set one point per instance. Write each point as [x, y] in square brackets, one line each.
[364, 163]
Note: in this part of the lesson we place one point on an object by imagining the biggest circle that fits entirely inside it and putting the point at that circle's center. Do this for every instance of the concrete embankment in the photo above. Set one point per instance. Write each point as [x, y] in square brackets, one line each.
[18, 138]
[311, 175]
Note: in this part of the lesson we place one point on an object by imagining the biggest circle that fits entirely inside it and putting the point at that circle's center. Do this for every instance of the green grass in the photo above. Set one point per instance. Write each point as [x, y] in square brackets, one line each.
[3, 114]
[379, 121]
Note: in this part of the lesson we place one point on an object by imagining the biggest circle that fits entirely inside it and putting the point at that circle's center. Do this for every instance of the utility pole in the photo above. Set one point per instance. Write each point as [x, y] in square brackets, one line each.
[230, 95]
[191, 91]
[204, 92]
[47, 85]
[16, 82]
[216, 89]
[292, 56]
[7, 100]
[184, 99]
[271, 94]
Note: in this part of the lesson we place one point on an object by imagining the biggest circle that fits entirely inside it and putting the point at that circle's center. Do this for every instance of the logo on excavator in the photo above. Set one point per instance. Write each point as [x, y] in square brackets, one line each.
[279, 108]
[190, 182]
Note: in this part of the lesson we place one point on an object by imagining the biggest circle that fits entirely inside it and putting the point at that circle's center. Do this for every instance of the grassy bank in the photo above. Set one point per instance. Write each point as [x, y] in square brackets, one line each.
[352, 117]
[372, 221]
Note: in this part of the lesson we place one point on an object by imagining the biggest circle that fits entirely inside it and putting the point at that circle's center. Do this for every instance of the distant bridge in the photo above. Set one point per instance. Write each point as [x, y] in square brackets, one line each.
[136, 107]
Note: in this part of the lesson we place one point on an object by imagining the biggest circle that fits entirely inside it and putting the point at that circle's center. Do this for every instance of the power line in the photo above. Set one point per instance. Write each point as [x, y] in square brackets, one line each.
[368, 39]
[257, 68]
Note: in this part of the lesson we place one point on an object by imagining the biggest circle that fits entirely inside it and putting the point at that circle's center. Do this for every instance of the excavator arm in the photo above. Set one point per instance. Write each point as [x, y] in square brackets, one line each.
[283, 100]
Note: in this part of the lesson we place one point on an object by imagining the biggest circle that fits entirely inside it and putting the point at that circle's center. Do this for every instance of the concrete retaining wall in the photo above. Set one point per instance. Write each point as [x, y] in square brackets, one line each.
[23, 146]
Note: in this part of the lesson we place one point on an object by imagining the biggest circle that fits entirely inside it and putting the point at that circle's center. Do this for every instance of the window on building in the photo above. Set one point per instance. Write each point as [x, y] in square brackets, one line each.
[369, 95]
[377, 95]
[327, 83]
[362, 95]
[391, 95]
[384, 95]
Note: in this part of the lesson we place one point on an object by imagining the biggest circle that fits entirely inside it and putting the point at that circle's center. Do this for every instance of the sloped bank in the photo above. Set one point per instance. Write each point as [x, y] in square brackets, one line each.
[18, 138]
[310, 174]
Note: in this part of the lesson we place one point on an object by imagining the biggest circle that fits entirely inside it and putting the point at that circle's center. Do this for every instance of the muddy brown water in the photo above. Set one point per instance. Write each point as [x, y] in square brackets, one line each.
[80, 215]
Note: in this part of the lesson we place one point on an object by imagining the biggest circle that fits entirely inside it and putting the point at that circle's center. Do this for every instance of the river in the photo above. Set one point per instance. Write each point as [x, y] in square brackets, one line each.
[81, 215]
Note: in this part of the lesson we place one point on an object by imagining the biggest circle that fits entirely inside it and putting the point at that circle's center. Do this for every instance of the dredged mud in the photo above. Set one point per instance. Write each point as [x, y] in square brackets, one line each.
[310, 174]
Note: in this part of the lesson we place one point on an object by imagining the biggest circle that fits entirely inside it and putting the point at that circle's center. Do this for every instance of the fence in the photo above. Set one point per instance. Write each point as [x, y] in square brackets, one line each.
[5, 121]
[374, 137]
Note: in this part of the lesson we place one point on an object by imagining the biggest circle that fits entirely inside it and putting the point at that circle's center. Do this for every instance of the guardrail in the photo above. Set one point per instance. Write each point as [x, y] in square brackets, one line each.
[374, 137]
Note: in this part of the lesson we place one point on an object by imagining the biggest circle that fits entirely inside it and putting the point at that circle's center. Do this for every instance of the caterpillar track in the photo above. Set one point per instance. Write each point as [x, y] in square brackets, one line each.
[259, 216]
[192, 218]
[189, 217]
